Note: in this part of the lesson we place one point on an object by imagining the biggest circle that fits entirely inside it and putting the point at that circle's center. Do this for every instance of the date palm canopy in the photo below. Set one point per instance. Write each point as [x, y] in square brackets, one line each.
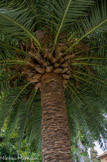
[67, 37]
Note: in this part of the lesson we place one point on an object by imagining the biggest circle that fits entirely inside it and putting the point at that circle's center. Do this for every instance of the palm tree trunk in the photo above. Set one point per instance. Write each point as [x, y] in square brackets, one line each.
[55, 131]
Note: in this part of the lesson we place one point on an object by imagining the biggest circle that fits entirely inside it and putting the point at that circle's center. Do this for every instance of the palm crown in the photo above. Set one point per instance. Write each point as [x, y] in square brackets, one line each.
[65, 37]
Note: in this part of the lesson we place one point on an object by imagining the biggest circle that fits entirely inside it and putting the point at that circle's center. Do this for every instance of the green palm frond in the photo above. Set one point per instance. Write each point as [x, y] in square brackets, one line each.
[84, 79]
[96, 22]
[85, 63]
[14, 109]
[92, 90]
[11, 62]
[4, 80]
[21, 20]
[91, 58]
[74, 92]
[8, 97]
[63, 14]
[83, 112]
[23, 117]
[34, 126]
[10, 79]
[97, 79]
[13, 47]
[11, 54]
[27, 120]
[19, 94]
[62, 21]
[71, 13]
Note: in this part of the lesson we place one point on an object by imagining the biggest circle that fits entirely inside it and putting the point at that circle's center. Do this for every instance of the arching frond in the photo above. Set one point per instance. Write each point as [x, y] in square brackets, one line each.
[4, 106]
[14, 109]
[96, 22]
[97, 79]
[23, 117]
[60, 15]
[13, 47]
[34, 126]
[20, 19]
[84, 114]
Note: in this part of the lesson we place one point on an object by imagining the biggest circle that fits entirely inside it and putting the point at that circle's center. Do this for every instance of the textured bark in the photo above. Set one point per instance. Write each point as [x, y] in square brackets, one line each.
[55, 131]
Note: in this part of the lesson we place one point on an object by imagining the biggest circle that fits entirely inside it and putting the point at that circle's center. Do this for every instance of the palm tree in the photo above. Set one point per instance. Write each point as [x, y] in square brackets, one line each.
[53, 51]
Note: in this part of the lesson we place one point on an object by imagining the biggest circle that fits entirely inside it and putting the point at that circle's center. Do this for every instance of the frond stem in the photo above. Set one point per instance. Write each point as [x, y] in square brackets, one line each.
[23, 28]
[62, 22]
[91, 77]
[87, 33]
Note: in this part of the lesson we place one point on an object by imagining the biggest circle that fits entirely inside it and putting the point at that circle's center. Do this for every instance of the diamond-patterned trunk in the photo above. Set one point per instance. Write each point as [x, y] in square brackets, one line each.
[55, 130]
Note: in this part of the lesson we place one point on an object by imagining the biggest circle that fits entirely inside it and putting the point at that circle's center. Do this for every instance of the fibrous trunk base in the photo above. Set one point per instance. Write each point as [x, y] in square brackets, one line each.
[55, 131]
